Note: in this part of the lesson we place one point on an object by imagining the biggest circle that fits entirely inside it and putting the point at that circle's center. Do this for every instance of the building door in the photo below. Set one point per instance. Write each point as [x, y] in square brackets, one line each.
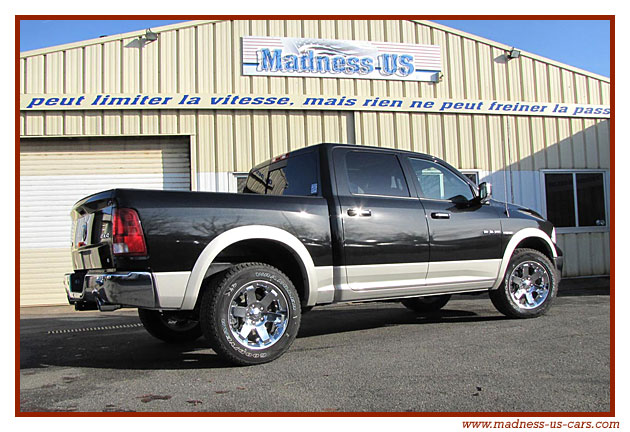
[55, 173]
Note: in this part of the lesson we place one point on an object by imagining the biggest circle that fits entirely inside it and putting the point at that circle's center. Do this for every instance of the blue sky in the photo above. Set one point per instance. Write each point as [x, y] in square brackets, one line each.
[36, 34]
[581, 43]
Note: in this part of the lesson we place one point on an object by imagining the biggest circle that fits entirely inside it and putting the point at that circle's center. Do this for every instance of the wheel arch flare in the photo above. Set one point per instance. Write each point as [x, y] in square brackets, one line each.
[526, 236]
[251, 232]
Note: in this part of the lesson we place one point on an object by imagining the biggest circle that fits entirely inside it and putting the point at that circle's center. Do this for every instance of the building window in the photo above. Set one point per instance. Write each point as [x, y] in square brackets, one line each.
[241, 180]
[576, 199]
[472, 175]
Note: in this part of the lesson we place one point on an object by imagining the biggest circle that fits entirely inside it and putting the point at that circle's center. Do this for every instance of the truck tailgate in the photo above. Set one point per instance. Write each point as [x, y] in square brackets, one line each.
[92, 232]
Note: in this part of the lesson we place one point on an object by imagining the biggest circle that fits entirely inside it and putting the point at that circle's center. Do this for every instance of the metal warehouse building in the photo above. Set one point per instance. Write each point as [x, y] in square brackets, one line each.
[193, 106]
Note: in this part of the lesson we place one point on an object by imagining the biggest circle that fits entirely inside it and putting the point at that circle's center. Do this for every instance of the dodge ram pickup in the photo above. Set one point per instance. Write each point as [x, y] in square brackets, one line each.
[324, 224]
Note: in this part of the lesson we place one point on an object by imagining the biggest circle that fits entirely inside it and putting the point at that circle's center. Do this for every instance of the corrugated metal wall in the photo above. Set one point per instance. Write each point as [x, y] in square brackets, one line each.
[204, 57]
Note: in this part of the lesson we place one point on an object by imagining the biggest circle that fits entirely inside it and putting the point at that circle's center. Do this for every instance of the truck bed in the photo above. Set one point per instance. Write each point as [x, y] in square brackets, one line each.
[181, 224]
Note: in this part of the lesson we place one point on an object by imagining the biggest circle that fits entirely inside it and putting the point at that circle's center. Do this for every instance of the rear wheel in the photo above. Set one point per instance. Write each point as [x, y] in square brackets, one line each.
[426, 304]
[529, 286]
[252, 315]
[170, 328]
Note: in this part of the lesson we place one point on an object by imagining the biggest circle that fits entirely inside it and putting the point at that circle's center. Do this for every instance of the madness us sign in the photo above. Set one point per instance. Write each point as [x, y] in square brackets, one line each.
[328, 58]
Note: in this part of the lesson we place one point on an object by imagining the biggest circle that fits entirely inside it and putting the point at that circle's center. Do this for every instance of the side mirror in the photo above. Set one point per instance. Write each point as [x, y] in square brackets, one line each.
[485, 191]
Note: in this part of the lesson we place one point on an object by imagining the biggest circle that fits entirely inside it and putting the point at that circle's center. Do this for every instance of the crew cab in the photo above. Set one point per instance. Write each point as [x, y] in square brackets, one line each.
[324, 224]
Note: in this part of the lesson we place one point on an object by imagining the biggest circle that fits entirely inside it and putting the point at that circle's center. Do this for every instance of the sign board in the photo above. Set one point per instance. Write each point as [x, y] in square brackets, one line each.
[153, 101]
[328, 58]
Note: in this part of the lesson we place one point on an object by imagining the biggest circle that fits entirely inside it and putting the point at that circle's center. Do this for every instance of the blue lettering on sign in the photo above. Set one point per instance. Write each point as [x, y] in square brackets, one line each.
[393, 64]
[269, 63]
[405, 68]
[274, 61]
[367, 65]
[352, 65]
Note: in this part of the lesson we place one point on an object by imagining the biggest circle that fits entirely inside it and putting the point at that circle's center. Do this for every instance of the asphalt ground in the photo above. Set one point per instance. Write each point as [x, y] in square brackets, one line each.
[346, 358]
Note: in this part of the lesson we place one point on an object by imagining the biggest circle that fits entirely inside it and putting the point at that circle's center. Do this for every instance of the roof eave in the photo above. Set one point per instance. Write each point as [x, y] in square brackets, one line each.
[508, 47]
[104, 39]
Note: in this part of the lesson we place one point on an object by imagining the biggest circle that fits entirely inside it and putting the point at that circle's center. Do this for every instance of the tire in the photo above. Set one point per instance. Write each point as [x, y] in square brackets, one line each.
[529, 285]
[251, 315]
[426, 304]
[169, 328]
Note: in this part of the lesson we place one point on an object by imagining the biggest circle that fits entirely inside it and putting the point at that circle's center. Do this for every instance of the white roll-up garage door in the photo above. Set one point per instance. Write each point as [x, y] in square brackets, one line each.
[56, 173]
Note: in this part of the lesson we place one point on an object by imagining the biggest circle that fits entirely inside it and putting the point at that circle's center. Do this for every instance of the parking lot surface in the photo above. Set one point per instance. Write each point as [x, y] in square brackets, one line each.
[359, 357]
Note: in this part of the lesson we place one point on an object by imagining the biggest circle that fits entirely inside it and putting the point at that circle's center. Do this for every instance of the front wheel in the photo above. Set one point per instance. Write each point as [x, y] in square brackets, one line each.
[169, 327]
[529, 286]
[252, 315]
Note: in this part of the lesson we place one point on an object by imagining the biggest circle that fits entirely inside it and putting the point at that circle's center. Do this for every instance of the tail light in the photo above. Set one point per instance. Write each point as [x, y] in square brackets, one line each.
[127, 233]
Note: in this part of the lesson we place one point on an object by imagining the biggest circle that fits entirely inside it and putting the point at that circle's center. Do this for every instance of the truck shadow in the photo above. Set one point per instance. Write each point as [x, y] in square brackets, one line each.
[331, 321]
[119, 342]
[124, 344]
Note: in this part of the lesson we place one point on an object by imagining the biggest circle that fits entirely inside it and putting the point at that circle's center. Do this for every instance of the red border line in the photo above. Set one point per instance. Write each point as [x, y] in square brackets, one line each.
[612, 216]
[315, 16]
[16, 255]
[610, 413]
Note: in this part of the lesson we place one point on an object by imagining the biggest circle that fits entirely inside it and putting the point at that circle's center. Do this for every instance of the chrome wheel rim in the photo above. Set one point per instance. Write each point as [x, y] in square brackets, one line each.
[258, 313]
[529, 285]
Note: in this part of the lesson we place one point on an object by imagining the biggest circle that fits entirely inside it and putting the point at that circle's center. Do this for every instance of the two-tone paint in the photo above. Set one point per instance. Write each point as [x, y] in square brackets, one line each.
[341, 246]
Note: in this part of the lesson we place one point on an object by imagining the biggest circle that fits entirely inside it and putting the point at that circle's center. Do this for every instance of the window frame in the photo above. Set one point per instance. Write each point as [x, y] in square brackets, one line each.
[474, 171]
[577, 229]
[234, 180]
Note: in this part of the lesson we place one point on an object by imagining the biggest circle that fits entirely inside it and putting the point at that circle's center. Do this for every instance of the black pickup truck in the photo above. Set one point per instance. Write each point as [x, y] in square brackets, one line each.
[323, 224]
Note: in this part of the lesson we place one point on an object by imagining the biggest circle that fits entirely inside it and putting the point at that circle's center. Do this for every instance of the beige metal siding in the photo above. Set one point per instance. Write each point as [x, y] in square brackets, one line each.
[204, 57]
[465, 141]
[586, 253]
[55, 173]
[236, 141]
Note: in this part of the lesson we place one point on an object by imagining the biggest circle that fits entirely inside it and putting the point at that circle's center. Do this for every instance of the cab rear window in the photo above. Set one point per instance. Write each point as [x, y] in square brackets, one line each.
[256, 181]
[296, 175]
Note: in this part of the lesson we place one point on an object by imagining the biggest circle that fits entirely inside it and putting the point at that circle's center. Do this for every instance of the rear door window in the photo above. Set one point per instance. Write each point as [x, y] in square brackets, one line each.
[375, 174]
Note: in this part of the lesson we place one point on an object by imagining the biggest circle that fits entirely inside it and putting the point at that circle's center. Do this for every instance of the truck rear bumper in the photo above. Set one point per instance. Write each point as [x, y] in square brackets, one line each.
[110, 291]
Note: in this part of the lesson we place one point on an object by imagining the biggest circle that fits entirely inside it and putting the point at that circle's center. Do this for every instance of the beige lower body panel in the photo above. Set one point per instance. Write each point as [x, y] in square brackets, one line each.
[383, 281]
[170, 288]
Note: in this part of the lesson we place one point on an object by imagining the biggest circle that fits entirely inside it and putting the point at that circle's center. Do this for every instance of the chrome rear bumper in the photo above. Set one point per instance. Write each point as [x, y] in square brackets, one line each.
[110, 291]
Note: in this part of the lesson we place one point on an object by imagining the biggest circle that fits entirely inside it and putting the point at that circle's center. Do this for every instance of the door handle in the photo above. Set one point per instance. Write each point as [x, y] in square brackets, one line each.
[439, 215]
[357, 212]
